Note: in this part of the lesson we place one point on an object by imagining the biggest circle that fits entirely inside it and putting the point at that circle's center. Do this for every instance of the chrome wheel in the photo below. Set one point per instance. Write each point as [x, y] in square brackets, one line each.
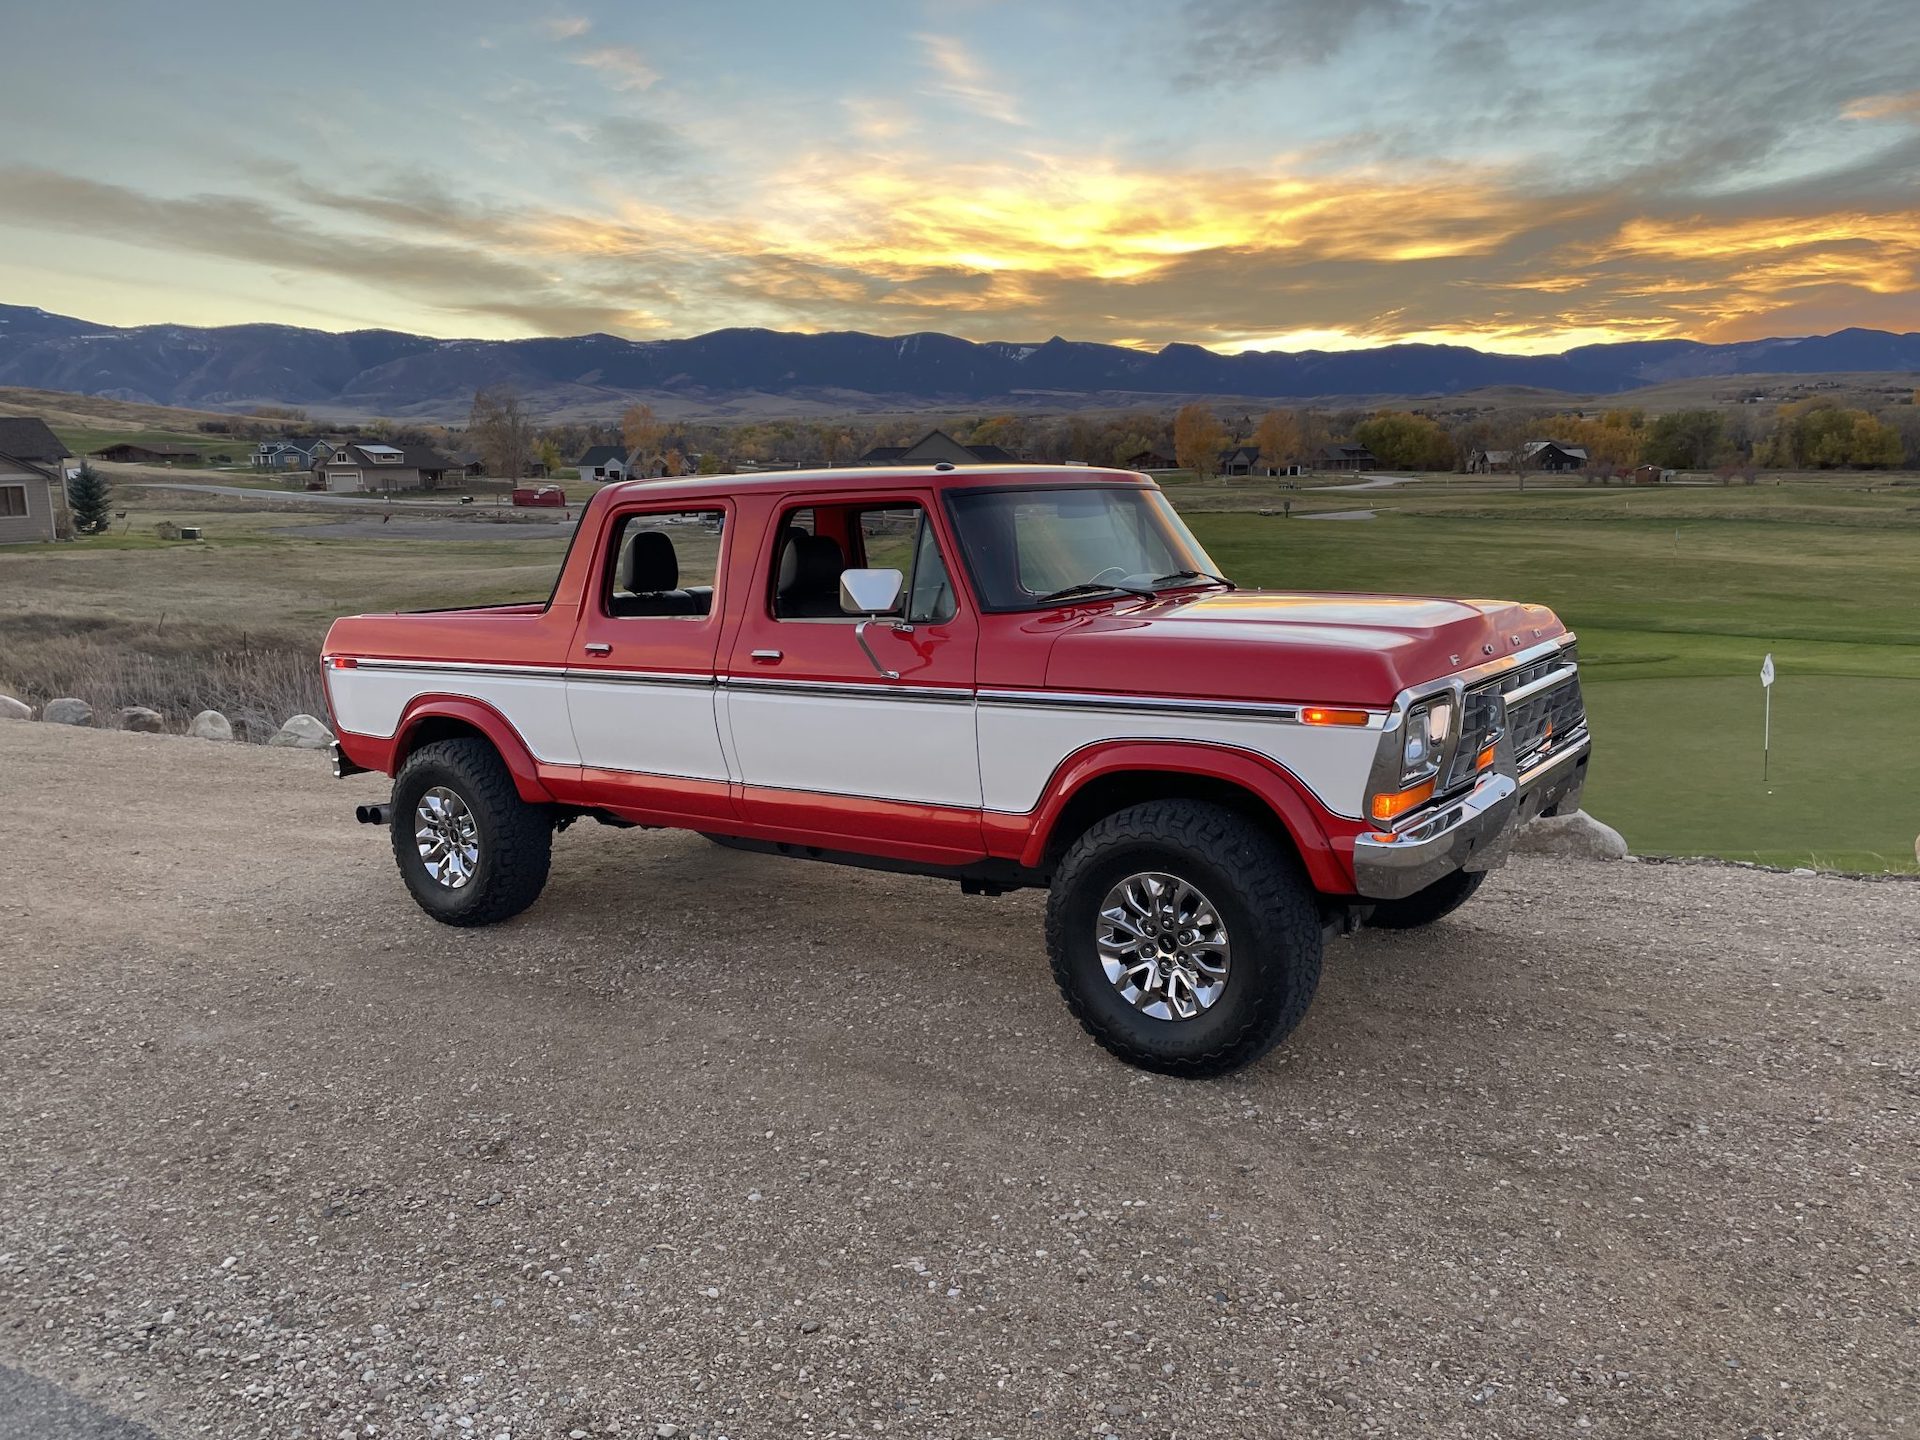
[447, 837]
[1163, 946]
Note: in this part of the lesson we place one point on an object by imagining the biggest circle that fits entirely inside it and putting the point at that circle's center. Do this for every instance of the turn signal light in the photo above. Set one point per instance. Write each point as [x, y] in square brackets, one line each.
[1484, 758]
[1391, 804]
[342, 662]
[1318, 715]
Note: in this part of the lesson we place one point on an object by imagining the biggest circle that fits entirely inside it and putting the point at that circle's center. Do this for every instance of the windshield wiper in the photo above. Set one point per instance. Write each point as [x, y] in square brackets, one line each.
[1172, 576]
[1094, 587]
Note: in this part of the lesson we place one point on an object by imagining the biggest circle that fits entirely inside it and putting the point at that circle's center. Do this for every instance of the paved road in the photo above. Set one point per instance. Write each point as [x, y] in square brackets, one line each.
[1370, 482]
[757, 1148]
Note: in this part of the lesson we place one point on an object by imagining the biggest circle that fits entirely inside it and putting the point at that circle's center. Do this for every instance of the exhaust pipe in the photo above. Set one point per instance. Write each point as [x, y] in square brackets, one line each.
[379, 814]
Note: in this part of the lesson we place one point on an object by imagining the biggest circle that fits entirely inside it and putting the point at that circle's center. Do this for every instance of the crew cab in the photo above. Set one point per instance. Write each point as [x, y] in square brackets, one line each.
[1006, 676]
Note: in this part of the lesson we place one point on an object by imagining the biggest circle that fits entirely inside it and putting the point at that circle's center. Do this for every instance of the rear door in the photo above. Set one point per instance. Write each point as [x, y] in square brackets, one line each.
[641, 690]
[870, 753]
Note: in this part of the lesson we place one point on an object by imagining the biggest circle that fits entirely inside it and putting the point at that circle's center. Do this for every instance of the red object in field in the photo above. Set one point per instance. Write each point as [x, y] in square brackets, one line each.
[1007, 675]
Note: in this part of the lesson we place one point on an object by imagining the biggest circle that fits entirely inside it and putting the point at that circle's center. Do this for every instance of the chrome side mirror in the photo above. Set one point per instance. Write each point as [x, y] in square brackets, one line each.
[870, 592]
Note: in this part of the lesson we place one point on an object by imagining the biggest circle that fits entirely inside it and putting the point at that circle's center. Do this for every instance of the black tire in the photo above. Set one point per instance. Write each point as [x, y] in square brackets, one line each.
[1256, 885]
[515, 838]
[1423, 907]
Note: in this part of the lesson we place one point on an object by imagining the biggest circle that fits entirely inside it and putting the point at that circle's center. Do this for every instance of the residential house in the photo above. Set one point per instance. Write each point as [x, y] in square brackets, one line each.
[33, 497]
[126, 452]
[937, 447]
[605, 463]
[1546, 455]
[374, 469]
[1149, 460]
[292, 452]
[1240, 460]
[1347, 457]
[468, 464]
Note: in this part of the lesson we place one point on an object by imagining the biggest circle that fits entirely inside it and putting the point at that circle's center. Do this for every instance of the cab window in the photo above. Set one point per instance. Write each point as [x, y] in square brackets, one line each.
[818, 543]
[662, 565]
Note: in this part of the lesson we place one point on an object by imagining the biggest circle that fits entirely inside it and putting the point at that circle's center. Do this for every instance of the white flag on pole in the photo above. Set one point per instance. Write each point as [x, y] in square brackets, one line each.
[1766, 671]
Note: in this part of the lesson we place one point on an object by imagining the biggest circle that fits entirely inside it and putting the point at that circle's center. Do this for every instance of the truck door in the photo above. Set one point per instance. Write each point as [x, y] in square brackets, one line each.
[866, 747]
[641, 692]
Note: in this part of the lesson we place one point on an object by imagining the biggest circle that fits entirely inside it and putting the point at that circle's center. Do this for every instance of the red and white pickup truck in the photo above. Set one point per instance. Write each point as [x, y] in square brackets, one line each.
[1007, 676]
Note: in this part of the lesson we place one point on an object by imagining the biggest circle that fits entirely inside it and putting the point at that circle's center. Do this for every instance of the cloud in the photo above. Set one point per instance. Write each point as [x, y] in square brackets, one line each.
[962, 79]
[1252, 38]
[566, 27]
[625, 67]
[1904, 106]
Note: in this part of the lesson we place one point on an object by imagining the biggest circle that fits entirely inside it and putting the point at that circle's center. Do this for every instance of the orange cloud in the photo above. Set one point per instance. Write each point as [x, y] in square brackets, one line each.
[1885, 107]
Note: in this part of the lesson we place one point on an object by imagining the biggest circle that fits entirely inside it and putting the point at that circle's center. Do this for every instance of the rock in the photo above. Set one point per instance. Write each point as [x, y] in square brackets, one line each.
[210, 725]
[140, 718]
[1577, 836]
[67, 711]
[302, 732]
[809, 1327]
[12, 709]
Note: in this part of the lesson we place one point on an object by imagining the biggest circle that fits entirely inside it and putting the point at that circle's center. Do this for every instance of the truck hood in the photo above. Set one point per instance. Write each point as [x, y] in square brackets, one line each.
[1324, 649]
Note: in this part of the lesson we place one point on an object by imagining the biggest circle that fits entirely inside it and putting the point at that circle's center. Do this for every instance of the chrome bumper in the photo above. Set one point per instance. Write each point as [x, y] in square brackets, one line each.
[1473, 832]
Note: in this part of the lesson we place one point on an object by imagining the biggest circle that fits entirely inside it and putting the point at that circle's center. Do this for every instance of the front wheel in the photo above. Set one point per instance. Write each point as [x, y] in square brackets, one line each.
[1423, 907]
[1184, 937]
[471, 851]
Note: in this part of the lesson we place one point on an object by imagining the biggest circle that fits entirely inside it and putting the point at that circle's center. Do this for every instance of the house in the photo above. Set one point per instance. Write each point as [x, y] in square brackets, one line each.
[1149, 460]
[376, 468]
[1347, 457]
[292, 452]
[1547, 455]
[128, 453]
[1649, 474]
[605, 463]
[937, 447]
[1240, 460]
[33, 497]
[469, 464]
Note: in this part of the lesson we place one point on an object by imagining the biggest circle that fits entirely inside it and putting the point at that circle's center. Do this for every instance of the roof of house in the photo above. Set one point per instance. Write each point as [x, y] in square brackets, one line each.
[1354, 452]
[992, 454]
[465, 457]
[415, 457]
[885, 454]
[1249, 453]
[982, 454]
[26, 437]
[601, 454]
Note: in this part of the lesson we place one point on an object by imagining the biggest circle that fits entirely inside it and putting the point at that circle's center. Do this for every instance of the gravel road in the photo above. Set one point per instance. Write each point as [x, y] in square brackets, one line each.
[713, 1144]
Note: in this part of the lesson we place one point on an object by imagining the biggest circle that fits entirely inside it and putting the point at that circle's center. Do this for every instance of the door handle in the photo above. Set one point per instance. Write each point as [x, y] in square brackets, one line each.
[599, 647]
[769, 657]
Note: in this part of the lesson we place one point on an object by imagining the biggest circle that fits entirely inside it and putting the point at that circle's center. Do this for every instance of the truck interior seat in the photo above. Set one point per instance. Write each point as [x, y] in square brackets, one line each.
[648, 582]
[809, 587]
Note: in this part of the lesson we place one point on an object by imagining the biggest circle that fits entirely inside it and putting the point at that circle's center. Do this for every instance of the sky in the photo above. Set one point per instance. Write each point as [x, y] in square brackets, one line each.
[1521, 175]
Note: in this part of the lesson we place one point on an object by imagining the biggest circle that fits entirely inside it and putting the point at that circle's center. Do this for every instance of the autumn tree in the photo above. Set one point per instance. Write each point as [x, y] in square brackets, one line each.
[501, 430]
[1198, 437]
[1278, 436]
[1686, 440]
[1404, 441]
[642, 433]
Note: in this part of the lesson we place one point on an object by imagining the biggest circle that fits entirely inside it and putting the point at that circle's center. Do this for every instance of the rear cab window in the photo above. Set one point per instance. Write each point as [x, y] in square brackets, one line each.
[662, 564]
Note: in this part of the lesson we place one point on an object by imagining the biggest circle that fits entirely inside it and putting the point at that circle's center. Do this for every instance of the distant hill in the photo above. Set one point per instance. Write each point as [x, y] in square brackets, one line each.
[386, 372]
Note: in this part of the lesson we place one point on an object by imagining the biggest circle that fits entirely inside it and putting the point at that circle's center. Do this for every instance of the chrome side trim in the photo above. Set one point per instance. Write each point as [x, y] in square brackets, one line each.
[642, 677]
[465, 667]
[918, 694]
[1162, 705]
[1545, 682]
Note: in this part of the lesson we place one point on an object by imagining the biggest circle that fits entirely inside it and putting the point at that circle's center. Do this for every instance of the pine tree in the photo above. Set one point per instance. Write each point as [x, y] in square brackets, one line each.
[90, 497]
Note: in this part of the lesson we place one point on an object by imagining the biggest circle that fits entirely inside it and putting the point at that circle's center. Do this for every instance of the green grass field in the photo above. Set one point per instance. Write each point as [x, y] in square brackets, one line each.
[1676, 595]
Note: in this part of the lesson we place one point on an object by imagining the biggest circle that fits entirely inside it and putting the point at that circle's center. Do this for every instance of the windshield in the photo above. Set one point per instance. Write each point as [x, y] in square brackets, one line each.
[1026, 546]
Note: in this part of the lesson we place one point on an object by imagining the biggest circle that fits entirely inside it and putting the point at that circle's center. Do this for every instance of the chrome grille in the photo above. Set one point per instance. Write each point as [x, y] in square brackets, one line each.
[1534, 723]
[1539, 720]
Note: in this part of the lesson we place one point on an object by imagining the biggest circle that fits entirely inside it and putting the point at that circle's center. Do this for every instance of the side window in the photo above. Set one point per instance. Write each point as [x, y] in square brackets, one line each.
[930, 591]
[663, 564]
[817, 545]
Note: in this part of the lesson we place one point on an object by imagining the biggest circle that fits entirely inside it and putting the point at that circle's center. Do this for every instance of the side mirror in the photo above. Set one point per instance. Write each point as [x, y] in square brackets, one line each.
[870, 592]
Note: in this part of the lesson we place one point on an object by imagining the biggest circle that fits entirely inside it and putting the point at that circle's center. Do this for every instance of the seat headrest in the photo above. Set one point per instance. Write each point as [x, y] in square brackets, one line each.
[649, 564]
[809, 564]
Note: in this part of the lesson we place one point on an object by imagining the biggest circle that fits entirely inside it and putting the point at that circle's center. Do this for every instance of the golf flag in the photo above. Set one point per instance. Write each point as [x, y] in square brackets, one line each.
[1766, 671]
[1766, 733]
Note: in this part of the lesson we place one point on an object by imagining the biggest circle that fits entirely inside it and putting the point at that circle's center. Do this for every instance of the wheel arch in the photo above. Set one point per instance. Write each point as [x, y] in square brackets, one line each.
[1102, 779]
[430, 718]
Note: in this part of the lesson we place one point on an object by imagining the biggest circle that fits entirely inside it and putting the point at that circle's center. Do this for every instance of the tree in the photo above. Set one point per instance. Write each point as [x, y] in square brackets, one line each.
[1403, 441]
[502, 431]
[548, 454]
[90, 497]
[1685, 440]
[1198, 437]
[642, 434]
[676, 463]
[1278, 436]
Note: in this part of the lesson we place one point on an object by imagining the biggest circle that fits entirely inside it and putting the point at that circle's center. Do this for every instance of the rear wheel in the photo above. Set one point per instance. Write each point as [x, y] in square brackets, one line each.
[1184, 937]
[470, 849]
[1423, 907]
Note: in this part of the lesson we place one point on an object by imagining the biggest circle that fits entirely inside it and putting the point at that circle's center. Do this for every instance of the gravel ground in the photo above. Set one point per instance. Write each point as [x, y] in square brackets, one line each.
[712, 1144]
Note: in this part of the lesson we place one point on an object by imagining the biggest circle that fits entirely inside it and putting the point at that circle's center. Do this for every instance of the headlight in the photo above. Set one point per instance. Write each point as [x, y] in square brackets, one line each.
[1428, 726]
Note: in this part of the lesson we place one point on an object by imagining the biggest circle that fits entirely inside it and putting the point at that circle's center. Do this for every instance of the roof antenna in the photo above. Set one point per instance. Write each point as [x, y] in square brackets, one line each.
[943, 465]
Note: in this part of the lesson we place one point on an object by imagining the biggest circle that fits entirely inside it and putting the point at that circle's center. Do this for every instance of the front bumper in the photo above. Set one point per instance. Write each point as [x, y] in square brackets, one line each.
[1472, 832]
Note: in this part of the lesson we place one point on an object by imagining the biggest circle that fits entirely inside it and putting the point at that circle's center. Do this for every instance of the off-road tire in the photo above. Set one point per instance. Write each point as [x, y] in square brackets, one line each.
[516, 839]
[1261, 892]
[1423, 907]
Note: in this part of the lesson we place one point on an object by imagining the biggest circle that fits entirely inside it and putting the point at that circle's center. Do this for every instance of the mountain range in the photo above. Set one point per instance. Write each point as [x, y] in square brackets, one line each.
[739, 371]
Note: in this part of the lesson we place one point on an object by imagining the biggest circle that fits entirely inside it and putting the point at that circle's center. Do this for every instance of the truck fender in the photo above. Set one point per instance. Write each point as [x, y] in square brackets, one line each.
[489, 722]
[1289, 800]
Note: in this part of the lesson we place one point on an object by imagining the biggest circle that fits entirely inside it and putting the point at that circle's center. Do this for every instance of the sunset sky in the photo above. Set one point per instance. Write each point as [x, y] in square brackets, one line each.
[1512, 174]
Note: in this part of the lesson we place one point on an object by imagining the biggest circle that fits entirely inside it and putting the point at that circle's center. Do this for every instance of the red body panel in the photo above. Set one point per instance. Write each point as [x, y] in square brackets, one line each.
[1341, 650]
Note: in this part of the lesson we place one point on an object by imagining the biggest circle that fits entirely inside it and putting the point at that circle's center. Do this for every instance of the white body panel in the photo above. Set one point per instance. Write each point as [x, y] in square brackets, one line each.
[1021, 746]
[863, 744]
[370, 701]
[650, 729]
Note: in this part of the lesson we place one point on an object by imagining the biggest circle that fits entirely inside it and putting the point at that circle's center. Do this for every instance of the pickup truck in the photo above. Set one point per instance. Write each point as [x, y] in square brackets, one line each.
[1005, 676]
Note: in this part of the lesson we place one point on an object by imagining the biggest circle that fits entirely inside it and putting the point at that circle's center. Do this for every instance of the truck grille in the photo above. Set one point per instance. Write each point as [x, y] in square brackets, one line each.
[1535, 723]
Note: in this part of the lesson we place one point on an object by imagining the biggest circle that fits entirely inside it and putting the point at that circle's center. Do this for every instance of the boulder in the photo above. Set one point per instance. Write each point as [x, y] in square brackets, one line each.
[67, 711]
[1577, 836]
[139, 717]
[210, 725]
[302, 732]
[12, 709]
